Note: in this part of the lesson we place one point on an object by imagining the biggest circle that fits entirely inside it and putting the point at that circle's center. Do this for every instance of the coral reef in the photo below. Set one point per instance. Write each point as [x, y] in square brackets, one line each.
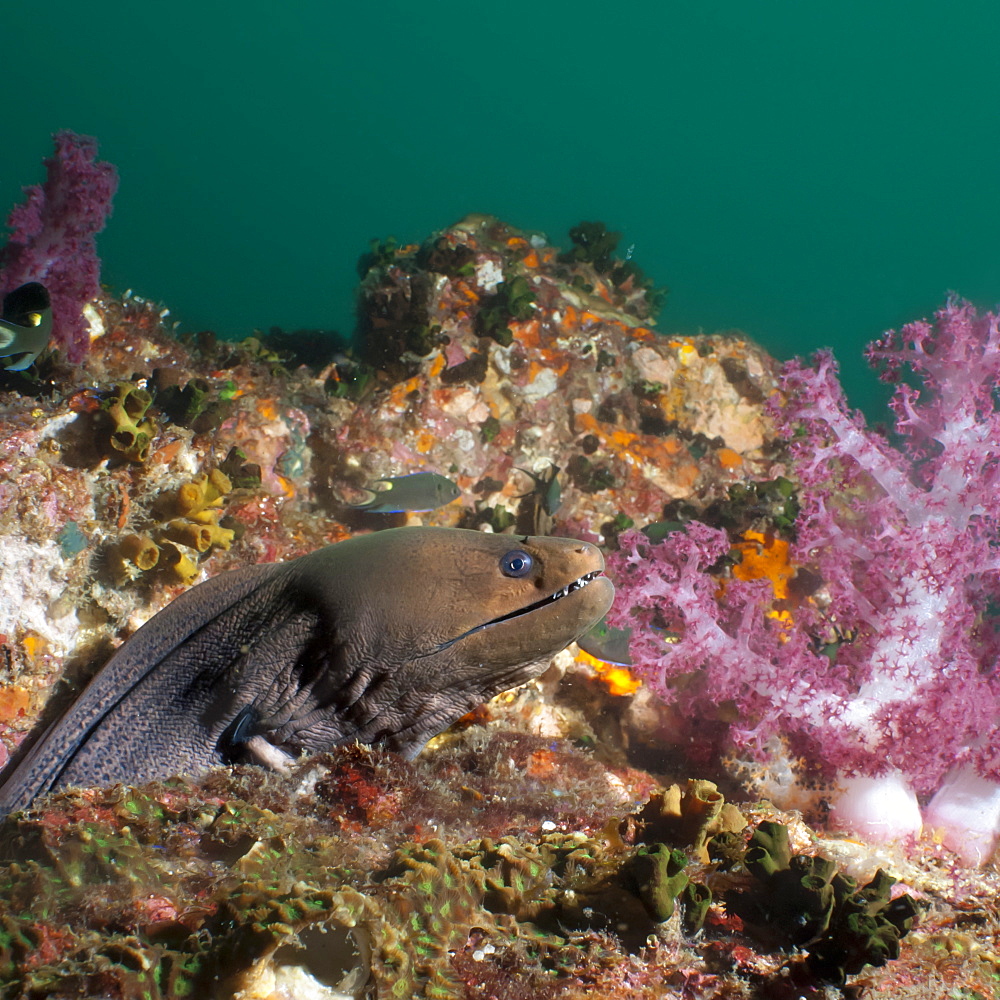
[93, 513]
[583, 384]
[506, 861]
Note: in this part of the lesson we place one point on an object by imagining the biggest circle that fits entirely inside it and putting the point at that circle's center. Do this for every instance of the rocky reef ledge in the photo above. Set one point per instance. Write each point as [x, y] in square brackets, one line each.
[570, 839]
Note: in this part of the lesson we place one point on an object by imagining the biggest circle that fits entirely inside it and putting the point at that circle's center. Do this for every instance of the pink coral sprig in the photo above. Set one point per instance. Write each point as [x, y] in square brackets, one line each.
[950, 427]
[52, 238]
[709, 646]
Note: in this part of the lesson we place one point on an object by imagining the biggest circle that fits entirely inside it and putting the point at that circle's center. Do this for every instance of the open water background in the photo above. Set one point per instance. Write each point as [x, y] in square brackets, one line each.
[811, 173]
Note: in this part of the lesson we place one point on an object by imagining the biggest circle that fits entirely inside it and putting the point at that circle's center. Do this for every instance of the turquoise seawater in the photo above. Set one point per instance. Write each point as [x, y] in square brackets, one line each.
[810, 173]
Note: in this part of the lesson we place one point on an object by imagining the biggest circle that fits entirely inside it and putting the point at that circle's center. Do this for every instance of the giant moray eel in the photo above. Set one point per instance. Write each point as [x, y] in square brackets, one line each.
[384, 638]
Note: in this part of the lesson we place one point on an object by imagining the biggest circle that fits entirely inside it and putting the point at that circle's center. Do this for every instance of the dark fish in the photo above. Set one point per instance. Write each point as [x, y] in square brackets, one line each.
[547, 489]
[25, 327]
[385, 638]
[417, 491]
[656, 531]
[535, 509]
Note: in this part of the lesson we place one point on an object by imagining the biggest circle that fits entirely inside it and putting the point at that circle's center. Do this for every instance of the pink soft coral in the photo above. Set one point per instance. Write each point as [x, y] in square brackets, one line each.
[52, 236]
[903, 536]
[711, 649]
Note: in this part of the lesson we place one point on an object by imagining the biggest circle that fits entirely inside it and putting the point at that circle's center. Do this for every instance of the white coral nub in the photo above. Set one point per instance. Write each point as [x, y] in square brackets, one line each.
[965, 813]
[880, 809]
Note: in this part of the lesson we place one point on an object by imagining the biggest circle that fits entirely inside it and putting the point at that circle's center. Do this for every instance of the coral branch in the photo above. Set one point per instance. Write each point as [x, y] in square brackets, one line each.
[52, 237]
[889, 664]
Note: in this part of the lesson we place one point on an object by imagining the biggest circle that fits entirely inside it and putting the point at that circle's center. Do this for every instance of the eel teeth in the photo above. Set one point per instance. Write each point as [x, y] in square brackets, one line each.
[575, 585]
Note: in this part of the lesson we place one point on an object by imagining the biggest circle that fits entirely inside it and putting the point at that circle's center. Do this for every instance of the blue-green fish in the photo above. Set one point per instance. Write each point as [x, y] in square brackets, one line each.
[25, 327]
[604, 642]
[417, 491]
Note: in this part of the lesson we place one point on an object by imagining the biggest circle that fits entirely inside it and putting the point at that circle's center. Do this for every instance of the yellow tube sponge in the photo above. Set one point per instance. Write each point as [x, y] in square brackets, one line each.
[140, 550]
[184, 568]
[206, 490]
[133, 431]
[194, 536]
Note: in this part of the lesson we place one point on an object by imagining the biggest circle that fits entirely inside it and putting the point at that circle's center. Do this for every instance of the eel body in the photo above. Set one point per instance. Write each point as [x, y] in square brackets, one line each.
[384, 638]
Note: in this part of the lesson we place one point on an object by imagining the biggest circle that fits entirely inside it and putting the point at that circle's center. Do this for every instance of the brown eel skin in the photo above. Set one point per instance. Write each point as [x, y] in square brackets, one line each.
[385, 638]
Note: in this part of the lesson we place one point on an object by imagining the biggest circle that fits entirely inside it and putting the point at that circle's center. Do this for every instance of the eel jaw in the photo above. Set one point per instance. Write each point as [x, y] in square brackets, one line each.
[578, 584]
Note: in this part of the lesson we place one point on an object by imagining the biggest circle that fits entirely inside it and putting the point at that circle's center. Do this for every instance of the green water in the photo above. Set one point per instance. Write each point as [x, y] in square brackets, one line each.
[811, 173]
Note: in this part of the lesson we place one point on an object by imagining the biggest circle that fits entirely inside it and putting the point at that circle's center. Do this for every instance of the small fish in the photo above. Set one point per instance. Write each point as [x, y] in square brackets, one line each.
[547, 488]
[25, 327]
[656, 531]
[606, 643]
[536, 508]
[417, 491]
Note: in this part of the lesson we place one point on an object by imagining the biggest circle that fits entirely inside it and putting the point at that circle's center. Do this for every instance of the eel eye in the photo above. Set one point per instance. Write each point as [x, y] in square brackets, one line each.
[515, 563]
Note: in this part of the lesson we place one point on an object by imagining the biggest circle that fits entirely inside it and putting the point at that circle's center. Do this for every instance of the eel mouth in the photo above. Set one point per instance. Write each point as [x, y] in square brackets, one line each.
[571, 588]
[578, 584]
